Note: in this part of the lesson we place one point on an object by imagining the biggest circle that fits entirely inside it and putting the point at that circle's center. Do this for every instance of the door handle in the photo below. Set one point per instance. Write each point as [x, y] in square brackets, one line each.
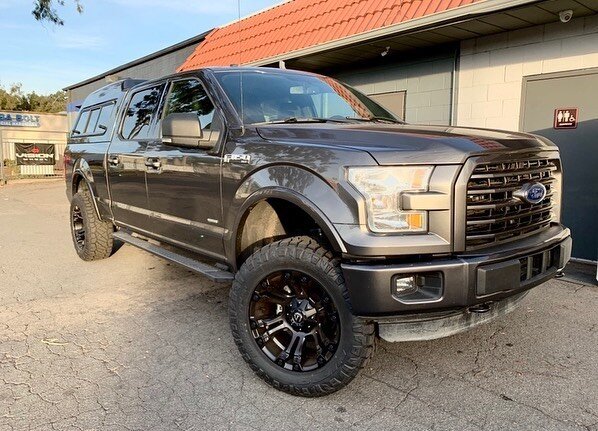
[153, 163]
[113, 161]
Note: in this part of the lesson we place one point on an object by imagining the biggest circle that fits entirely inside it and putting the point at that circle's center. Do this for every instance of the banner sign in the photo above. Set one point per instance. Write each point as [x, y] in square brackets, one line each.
[34, 154]
[10, 119]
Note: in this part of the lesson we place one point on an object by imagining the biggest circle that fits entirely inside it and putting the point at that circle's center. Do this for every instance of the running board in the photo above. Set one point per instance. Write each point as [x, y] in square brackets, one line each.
[213, 273]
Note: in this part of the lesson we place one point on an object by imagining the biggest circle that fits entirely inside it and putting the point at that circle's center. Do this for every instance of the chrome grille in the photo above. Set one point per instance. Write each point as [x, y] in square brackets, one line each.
[493, 214]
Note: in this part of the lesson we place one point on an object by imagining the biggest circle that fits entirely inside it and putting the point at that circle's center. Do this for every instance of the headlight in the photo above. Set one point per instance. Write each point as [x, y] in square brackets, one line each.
[381, 188]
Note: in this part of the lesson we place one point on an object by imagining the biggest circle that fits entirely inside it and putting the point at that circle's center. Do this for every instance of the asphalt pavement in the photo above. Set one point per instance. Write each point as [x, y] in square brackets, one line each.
[135, 343]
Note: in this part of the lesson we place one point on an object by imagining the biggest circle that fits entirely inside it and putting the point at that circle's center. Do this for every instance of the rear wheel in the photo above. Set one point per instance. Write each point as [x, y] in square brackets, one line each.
[92, 237]
[290, 318]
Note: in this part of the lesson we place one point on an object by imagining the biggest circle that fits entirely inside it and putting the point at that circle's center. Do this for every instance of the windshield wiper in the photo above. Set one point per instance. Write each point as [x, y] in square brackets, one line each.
[306, 120]
[376, 119]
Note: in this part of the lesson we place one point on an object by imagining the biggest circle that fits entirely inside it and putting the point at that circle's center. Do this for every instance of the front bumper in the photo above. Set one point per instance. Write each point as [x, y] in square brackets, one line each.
[461, 281]
[431, 326]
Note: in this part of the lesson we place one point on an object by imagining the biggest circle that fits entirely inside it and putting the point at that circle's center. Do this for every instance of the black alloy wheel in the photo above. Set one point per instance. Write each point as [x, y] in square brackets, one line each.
[294, 321]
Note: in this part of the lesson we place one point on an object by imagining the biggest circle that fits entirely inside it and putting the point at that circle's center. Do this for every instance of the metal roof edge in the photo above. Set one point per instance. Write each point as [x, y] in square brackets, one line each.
[445, 17]
[156, 54]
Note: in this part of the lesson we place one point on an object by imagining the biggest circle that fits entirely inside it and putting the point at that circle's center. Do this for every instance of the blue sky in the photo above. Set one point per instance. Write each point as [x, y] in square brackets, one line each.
[46, 58]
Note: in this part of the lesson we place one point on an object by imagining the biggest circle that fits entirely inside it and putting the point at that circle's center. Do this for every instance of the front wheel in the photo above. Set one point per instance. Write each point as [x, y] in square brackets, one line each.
[291, 320]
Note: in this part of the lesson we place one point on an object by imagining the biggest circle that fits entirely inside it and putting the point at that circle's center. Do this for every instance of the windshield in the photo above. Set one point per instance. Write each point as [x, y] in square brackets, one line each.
[268, 97]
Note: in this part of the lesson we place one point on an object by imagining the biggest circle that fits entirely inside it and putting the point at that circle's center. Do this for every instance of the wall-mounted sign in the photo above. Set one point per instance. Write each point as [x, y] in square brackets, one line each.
[566, 118]
[11, 119]
[34, 154]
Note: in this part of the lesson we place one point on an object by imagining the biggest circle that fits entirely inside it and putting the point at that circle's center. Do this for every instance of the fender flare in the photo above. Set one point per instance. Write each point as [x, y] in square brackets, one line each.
[300, 201]
[82, 172]
[313, 197]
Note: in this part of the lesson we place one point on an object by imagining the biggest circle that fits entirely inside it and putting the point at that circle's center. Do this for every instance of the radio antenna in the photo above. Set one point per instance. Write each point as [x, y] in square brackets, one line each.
[240, 47]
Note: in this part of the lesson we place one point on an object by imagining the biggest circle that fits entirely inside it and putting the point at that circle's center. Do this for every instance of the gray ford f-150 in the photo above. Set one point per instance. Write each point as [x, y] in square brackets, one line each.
[335, 221]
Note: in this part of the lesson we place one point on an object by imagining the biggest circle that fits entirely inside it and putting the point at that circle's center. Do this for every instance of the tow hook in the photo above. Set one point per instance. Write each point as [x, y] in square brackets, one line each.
[480, 308]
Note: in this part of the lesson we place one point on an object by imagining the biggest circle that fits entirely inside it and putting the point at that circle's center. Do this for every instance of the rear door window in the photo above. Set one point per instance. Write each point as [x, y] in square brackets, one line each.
[140, 114]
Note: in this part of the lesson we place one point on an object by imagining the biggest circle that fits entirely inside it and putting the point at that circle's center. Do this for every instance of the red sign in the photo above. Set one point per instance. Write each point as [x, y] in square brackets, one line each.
[566, 118]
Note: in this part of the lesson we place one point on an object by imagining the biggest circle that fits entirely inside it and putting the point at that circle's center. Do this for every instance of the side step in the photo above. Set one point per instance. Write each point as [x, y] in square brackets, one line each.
[215, 274]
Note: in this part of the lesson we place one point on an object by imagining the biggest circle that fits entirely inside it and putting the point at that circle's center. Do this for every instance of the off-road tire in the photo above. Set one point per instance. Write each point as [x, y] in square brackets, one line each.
[98, 243]
[357, 336]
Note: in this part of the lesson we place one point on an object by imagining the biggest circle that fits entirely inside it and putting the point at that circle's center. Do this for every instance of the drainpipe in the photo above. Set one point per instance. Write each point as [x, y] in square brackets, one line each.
[455, 85]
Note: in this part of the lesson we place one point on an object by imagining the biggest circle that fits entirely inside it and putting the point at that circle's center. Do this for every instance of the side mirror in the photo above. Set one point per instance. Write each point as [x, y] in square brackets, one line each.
[182, 129]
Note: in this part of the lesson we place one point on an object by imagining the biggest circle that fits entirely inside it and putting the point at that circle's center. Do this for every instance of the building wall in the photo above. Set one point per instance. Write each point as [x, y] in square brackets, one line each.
[152, 69]
[492, 68]
[427, 83]
[52, 130]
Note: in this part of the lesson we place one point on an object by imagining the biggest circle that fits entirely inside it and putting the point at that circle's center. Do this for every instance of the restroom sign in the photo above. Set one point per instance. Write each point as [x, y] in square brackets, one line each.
[566, 118]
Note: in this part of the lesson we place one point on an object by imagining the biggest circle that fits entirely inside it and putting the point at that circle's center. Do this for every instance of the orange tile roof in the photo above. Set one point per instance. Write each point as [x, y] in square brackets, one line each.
[299, 24]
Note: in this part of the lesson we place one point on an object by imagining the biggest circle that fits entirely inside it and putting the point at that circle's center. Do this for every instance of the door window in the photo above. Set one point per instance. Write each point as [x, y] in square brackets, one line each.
[190, 96]
[140, 112]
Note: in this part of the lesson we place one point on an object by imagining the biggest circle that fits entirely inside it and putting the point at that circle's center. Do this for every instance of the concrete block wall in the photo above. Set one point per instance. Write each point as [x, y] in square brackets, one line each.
[427, 84]
[492, 68]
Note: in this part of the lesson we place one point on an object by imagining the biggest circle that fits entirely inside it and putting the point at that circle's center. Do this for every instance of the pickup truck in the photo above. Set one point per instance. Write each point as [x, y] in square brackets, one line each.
[335, 222]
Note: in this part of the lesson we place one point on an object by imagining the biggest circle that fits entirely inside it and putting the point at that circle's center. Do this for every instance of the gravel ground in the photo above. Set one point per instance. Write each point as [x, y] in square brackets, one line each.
[133, 342]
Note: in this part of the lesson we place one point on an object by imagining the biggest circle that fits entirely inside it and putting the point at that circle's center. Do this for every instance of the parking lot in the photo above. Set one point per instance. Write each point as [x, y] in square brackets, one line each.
[135, 343]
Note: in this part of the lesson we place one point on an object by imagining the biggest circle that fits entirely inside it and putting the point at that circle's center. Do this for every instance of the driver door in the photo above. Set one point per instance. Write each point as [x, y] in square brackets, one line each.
[184, 183]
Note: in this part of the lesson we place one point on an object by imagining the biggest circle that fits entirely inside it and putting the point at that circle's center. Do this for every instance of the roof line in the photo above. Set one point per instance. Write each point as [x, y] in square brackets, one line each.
[164, 51]
[441, 18]
[235, 21]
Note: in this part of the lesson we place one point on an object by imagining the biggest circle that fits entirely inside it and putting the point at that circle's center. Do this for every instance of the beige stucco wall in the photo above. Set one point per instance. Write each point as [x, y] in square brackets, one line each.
[492, 68]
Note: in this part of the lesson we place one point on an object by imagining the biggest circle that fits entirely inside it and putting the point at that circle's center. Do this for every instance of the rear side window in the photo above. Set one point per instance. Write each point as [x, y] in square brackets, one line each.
[140, 112]
[104, 118]
[81, 123]
[94, 120]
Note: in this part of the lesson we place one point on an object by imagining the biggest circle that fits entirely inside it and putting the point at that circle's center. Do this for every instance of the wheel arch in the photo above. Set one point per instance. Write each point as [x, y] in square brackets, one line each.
[265, 210]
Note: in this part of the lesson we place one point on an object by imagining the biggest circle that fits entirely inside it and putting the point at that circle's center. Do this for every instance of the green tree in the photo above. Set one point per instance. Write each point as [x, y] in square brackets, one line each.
[14, 99]
[45, 10]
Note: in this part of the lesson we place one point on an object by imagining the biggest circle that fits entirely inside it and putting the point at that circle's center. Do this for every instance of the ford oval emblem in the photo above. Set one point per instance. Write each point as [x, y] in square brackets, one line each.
[532, 193]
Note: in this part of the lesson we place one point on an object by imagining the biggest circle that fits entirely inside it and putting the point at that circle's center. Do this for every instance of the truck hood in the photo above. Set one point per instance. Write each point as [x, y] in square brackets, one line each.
[404, 143]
